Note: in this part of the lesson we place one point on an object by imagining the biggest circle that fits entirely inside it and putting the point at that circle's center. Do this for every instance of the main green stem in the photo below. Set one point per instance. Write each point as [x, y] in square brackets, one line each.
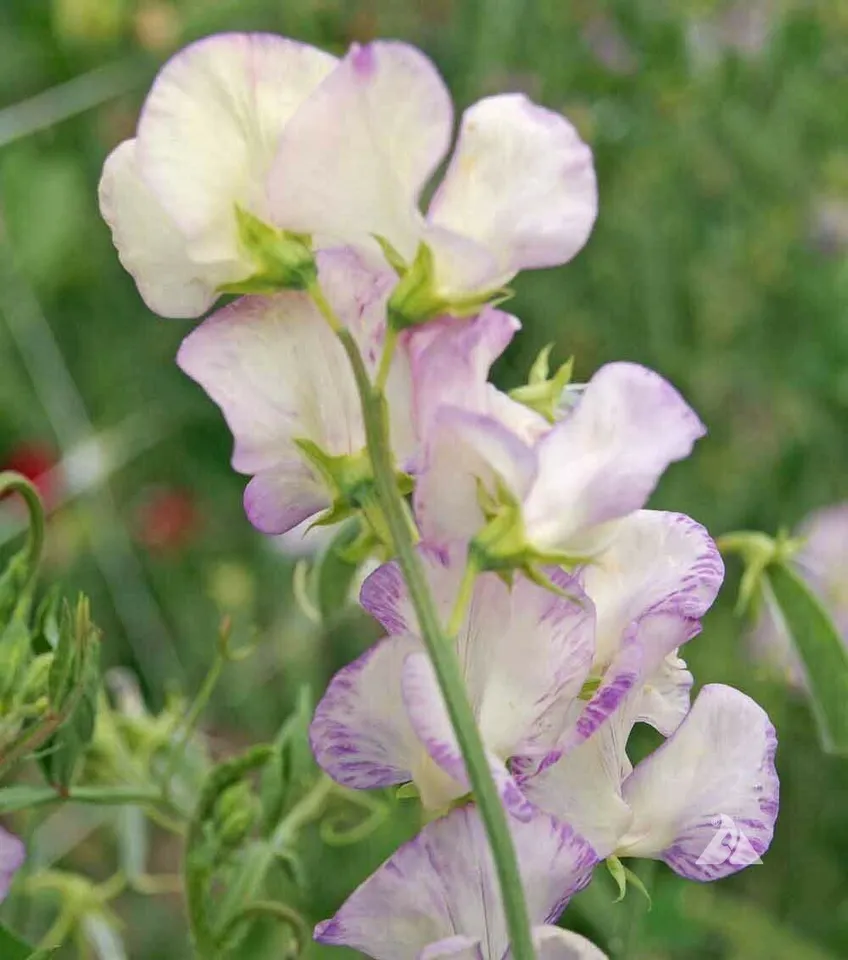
[442, 654]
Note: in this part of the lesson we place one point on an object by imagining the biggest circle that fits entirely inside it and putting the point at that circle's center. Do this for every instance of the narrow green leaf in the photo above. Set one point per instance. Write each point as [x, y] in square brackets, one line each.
[20, 797]
[12, 947]
[822, 651]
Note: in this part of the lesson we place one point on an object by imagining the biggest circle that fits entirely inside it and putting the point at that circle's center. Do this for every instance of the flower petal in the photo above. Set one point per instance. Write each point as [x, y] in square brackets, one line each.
[428, 715]
[665, 699]
[443, 884]
[706, 801]
[211, 125]
[360, 733]
[12, 855]
[149, 244]
[605, 459]
[352, 163]
[554, 943]
[521, 183]
[278, 499]
[455, 948]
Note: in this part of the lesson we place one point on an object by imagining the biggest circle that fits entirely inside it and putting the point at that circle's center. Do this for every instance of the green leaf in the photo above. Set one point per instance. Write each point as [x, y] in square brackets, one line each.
[822, 651]
[20, 797]
[335, 571]
[291, 770]
[12, 947]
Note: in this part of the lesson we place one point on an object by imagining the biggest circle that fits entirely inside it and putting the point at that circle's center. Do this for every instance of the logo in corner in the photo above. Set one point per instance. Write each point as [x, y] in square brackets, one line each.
[729, 846]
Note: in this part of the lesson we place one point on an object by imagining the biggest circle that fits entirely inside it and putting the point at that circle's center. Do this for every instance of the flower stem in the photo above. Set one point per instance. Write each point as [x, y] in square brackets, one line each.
[443, 657]
[463, 597]
[386, 359]
[15, 483]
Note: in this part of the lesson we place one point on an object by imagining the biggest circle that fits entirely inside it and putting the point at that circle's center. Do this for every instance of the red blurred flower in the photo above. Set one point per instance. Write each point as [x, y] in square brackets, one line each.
[36, 461]
[166, 520]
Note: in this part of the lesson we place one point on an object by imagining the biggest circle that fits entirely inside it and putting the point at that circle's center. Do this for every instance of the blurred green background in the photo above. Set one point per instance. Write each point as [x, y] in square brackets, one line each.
[720, 132]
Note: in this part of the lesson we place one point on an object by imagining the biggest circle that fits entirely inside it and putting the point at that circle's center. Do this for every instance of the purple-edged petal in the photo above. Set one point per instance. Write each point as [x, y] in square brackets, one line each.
[151, 247]
[658, 562]
[428, 715]
[454, 948]
[352, 162]
[278, 499]
[706, 801]
[442, 884]
[554, 943]
[521, 184]
[12, 855]
[360, 733]
[211, 125]
[604, 460]
[464, 452]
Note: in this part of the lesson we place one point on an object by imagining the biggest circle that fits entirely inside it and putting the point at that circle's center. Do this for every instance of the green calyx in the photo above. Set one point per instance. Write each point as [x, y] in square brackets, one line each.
[350, 479]
[758, 552]
[283, 260]
[417, 297]
[543, 392]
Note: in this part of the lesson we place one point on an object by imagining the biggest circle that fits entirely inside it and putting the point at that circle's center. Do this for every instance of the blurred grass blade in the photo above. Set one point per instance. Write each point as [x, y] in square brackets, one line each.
[822, 651]
[12, 947]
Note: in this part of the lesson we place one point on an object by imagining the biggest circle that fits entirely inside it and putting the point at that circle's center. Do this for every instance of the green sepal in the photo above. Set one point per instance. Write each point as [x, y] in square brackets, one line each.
[283, 260]
[543, 392]
[393, 258]
[618, 872]
[408, 791]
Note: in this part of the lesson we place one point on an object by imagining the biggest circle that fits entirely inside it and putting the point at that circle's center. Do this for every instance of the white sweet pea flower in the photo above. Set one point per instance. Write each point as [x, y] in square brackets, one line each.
[437, 896]
[205, 143]
[525, 654]
[519, 192]
[564, 485]
[281, 377]
[705, 802]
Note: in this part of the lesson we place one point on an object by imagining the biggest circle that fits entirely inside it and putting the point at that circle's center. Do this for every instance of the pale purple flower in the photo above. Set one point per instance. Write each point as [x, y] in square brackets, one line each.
[205, 144]
[524, 654]
[12, 855]
[823, 562]
[438, 895]
[519, 191]
[571, 480]
[280, 375]
[705, 802]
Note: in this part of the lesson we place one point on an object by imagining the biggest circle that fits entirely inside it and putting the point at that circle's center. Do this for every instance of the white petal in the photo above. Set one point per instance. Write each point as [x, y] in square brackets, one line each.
[521, 184]
[453, 948]
[665, 699]
[151, 247]
[354, 160]
[211, 125]
[280, 498]
[706, 801]
[605, 459]
[554, 943]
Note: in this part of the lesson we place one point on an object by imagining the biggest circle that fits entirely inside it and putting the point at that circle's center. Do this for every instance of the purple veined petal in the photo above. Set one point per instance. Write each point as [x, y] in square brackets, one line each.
[150, 246]
[583, 786]
[554, 943]
[451, 359]
[658, 562]
[706, 801]
[604, 460]
[12, 856]
[428, 715]
[278, 499]
[353, 161]
[454, 948]
[211, 125]
[464, 451]
[442, 884]
[360, 733]
[521, 184]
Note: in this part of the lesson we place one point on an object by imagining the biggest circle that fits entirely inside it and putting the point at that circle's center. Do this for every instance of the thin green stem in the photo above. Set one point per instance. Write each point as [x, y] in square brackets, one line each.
[15, 483]
[325, 308]
[386, 359]
[443, 657]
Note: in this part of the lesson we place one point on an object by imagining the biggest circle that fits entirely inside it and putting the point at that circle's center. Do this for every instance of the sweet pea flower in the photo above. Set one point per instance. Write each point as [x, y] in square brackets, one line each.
[565, 483]
[823, 562]
[205, 143]
[12, 854]
[438, 896]
[519, 191]
[705, 802]
[281, 377]
[524, 652]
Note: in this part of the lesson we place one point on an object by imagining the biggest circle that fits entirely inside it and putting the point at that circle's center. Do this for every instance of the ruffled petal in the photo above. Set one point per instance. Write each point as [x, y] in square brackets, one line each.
[360, 733]
[554, 943]
[442, 884]
[211, 126]
[278, 499]
[151, 247]
[352, 163]
[604, 460]
[706, 801]
[428, 715]
[665, 698]
[521, 184]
